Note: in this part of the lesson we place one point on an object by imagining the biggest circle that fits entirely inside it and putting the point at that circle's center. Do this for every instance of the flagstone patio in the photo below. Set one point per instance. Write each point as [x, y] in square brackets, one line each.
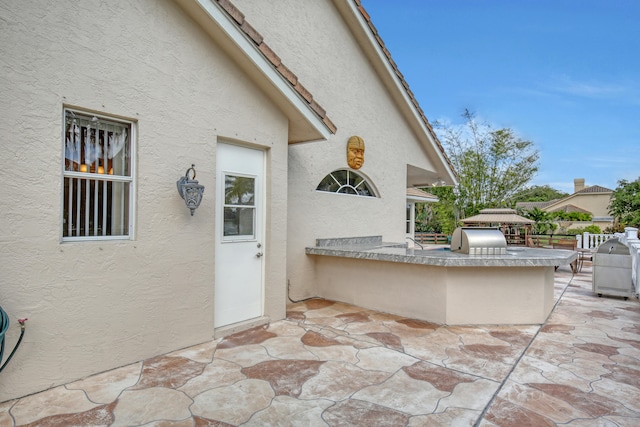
[332, 364]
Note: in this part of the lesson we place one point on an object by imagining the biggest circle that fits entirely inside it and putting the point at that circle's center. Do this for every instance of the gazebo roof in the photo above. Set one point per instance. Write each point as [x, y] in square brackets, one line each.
[497, 216]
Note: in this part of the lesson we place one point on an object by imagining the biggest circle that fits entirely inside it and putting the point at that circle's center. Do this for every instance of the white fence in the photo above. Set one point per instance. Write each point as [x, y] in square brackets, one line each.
[630, 238]
[592, 241]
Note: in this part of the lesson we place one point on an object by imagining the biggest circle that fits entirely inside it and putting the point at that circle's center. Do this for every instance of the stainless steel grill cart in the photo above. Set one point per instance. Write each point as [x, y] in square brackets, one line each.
[612, 269]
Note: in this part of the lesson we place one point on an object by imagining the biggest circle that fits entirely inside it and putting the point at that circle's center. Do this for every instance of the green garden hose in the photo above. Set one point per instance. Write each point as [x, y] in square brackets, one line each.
[4, 326]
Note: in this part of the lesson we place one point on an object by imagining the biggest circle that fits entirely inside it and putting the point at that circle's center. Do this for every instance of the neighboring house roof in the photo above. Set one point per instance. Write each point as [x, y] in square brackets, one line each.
[497, 216]
[532, 205]
[417, 195]
[594, 189]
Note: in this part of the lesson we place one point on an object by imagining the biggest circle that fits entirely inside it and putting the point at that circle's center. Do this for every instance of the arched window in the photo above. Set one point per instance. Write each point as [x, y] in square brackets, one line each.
[346, 181]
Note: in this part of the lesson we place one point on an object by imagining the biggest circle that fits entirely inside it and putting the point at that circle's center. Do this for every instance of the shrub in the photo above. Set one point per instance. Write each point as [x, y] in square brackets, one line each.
[615, 228]
[574, 231]
[593, 229]
[571, 216]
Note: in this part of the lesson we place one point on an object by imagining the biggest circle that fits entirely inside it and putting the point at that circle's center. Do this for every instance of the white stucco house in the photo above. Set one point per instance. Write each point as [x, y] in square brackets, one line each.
[107, 104]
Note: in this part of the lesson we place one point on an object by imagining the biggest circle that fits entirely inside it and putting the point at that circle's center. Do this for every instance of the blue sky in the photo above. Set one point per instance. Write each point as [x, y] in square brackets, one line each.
[564, 74]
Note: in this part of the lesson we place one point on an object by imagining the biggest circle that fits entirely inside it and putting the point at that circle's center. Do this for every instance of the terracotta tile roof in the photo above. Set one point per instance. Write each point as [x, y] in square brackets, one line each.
[594, 189]
[404, 83]
[271, 56]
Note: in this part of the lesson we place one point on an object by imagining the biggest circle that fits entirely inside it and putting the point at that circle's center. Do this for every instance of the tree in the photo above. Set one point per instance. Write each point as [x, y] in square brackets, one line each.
[543, 221]
[437, 217]
[625, 203]
[537, 193]
[571, 216]
[492, 165]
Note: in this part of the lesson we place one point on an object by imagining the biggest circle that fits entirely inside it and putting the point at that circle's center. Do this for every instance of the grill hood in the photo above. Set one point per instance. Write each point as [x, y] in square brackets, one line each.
[478, 241]
[614, 247]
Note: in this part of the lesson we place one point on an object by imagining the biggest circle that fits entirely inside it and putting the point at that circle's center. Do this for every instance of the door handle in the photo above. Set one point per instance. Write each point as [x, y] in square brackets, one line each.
[259, 254]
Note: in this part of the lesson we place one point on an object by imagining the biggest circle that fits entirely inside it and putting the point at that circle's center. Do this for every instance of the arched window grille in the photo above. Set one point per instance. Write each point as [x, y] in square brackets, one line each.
[346, 181]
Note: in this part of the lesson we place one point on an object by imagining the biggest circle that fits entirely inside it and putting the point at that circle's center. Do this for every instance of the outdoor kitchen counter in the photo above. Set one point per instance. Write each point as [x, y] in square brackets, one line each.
[375, 249]
[438, 285]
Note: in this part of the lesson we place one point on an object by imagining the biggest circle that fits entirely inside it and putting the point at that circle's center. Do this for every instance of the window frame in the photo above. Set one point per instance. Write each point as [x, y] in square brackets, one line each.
[364, 180]
[230, 238]
[89, 176]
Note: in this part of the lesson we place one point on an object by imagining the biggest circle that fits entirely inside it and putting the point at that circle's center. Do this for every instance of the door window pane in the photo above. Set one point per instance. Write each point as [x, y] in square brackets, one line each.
[238, 221]
[239, 190]
[239, 207]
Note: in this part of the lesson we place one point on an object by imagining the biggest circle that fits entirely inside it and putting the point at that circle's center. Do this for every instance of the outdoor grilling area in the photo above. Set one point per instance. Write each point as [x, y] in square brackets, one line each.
[477, 280]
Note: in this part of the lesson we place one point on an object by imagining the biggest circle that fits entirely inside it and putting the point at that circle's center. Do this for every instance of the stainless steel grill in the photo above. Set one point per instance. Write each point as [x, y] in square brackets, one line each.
[612, 269]
[478, 241]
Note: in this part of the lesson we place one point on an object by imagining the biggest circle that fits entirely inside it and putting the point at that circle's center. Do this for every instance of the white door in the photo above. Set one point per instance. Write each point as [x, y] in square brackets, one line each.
[239, 234]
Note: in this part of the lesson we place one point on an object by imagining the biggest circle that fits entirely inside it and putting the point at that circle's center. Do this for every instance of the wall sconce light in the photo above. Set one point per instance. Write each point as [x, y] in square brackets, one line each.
[438, 182]
[190, 190]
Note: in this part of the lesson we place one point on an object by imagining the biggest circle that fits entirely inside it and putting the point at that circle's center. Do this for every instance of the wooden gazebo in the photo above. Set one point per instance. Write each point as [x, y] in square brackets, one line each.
[516, 228]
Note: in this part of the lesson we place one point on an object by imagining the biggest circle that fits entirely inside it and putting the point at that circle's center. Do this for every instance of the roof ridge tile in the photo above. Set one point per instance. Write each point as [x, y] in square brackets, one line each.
[362, 10]
[287, 73]
[251, 32]
[270, 54]
[594, 189]
[231, 10]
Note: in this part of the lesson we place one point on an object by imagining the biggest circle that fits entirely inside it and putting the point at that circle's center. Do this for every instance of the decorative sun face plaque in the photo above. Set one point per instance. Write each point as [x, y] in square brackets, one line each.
[355, 152]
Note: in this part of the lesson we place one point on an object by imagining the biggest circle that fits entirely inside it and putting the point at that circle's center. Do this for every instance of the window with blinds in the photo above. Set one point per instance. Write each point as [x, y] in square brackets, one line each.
[98, 178]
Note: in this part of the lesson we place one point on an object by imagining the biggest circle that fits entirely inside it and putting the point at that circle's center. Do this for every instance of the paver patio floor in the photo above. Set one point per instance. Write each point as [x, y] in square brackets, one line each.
[333, 364]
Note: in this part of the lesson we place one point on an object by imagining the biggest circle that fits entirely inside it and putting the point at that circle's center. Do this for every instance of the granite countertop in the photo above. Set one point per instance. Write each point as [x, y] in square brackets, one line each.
[373, 248]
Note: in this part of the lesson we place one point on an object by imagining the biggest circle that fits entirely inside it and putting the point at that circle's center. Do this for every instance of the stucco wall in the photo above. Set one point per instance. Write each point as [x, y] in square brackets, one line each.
[93, 306]
[596, 203]
[409, 290]
[448, 295]
[317, 45]
[499, 295]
